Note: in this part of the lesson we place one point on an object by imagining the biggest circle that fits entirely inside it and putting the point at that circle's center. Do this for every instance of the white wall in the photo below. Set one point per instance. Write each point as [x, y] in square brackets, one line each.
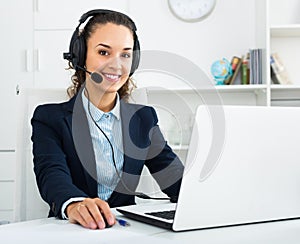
[228, 31]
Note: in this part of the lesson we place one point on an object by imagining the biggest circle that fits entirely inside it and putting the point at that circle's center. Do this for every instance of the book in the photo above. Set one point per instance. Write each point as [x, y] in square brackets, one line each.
[245, 70]
[274, 78]
[236, 68]
[255, 60]
[234, 65]
[279, 74]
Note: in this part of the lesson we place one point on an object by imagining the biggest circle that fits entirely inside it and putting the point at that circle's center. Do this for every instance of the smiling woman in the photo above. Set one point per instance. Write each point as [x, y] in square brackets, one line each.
[89, 152]
[109, 34]
[109, 52]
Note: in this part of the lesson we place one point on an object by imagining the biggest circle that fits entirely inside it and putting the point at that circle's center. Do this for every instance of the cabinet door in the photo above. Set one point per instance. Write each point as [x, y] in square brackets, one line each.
[6, 215]
[7, 166]
[7, 185]
[7, 196]
[57, 14]
[50, 68]
[8, 112]
[15, 63]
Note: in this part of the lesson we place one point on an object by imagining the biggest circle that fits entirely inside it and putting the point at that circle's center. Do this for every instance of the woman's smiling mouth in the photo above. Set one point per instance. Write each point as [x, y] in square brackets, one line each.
[111, 77]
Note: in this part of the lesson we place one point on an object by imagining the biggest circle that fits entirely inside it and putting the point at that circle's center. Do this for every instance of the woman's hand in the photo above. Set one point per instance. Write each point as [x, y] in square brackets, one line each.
[90, 213]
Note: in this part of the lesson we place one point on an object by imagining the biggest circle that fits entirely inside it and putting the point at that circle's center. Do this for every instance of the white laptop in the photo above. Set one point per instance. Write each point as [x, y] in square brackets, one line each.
[243, 166]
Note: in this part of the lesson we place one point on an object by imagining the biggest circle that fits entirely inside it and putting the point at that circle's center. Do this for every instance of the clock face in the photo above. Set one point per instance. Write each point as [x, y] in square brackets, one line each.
[191, 10]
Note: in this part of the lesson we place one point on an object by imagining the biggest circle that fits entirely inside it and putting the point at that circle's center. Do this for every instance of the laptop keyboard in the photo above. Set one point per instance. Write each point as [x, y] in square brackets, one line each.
[163, 214]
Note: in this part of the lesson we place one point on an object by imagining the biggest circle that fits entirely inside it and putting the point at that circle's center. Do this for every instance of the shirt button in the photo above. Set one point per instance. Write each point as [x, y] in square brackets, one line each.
[106, 116]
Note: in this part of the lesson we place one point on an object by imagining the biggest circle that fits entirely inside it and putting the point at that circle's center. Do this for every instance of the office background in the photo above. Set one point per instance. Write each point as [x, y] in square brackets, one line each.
[35, 33]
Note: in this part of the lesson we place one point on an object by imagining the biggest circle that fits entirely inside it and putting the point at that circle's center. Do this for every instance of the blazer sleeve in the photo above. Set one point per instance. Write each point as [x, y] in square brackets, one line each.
[163, 163]
[50, 166]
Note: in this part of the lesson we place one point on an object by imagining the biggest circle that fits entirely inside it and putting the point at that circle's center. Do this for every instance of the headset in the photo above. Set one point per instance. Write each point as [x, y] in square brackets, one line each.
[78, 49]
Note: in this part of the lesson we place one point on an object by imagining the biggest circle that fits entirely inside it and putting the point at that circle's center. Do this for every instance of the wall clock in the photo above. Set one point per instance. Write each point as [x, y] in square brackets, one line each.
[191, 10]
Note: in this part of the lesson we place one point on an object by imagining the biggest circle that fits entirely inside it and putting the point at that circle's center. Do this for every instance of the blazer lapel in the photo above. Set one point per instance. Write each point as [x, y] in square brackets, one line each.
[133, 158]
[78, 125]
[131, 134]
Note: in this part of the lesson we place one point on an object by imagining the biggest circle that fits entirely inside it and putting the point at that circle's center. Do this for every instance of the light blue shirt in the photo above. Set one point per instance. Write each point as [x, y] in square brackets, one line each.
[110, 123]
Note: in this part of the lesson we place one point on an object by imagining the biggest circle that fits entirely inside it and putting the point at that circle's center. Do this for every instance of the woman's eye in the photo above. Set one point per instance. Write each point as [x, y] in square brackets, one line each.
[102, 52]
[126, 55]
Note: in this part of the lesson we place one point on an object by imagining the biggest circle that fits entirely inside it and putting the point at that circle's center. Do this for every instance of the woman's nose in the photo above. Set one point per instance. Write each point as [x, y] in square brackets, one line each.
[115, 63]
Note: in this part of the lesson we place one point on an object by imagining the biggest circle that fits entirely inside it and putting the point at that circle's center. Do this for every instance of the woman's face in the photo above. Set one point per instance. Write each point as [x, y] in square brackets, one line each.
[109, 52]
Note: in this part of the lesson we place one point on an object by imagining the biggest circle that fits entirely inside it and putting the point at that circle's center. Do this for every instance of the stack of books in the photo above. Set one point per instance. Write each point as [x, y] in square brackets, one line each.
[246, 69]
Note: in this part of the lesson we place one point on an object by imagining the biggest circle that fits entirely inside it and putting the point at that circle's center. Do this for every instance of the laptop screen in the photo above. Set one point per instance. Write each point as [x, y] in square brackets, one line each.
[248, 173]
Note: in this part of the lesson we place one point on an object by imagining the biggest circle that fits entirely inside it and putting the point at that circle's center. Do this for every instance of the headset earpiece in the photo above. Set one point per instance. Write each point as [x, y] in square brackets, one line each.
[78, 50]
[136, 55]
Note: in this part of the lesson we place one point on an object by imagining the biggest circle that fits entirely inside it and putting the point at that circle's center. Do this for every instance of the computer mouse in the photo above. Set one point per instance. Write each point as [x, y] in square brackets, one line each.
[107, 225]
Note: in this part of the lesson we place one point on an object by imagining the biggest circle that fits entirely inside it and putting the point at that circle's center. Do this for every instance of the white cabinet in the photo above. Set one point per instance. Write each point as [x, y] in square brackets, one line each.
[7, 185]
[7, 189]
[7, 166]
[16, 41]
[16, 24]
[284, 31]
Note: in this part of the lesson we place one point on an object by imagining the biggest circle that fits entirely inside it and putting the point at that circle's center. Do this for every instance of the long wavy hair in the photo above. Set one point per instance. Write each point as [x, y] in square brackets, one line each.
[79, 77]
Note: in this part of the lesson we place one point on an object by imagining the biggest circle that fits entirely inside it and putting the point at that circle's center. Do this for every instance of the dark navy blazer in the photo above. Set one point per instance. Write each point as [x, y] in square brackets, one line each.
[64, 161]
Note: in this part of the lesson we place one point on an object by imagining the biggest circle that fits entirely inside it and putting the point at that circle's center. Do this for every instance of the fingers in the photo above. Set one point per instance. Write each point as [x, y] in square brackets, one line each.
[75, 216]
[85, 214]
[105, 211]
[91, 213]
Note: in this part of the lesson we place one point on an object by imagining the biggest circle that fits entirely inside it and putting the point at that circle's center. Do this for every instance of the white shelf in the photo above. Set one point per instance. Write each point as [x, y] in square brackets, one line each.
[285, 93]
[241, 88]
[220, 88]
[285, 30]
[179, 147]
[285, 87]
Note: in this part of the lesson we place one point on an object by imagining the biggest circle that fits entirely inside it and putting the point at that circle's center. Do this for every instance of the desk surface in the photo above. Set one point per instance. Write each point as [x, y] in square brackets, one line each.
[61, 231]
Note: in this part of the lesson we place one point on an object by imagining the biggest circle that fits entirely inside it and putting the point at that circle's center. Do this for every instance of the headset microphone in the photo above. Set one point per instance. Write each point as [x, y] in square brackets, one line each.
[96, 77]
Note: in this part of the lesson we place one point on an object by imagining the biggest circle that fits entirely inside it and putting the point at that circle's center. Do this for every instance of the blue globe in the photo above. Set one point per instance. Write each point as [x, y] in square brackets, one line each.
[221, 70]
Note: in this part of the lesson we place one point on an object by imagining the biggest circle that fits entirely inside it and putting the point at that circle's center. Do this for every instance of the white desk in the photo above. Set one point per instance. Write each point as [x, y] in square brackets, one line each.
[60, 231]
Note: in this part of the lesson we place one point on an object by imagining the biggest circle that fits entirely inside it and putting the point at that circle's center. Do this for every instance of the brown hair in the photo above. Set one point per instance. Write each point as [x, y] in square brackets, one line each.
[78, 78]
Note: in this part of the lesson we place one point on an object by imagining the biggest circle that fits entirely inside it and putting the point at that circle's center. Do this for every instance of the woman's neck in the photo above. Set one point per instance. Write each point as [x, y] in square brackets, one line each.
[107, 104]
[104, 101]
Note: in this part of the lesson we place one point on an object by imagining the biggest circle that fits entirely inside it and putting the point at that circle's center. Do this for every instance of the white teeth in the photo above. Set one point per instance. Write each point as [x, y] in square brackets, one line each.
[112, 76]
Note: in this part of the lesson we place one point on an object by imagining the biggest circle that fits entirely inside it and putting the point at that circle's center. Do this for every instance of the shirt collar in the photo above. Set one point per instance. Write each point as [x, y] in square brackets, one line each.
[98, 113]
